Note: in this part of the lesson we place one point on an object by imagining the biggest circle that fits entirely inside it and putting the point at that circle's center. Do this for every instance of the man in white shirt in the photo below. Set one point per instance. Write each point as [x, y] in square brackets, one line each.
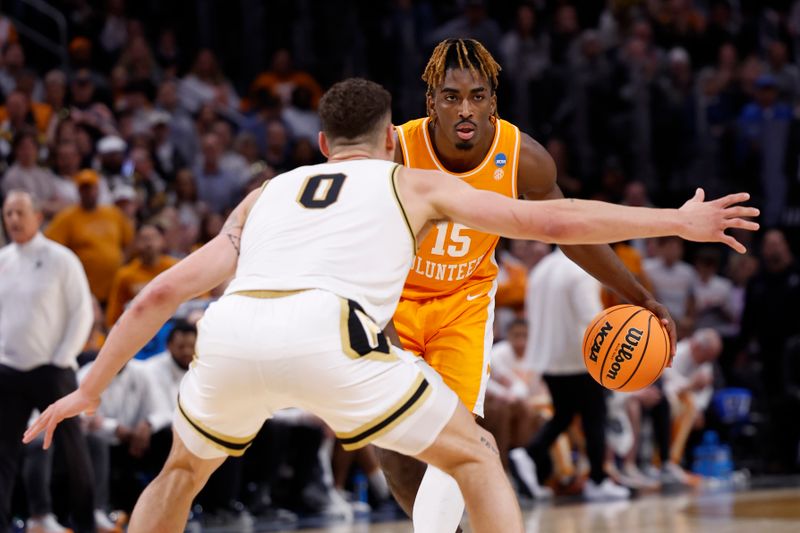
[119, 436]
[673, 281]
[689, 385]
[166, 370]
[561, 300]
[45, 318]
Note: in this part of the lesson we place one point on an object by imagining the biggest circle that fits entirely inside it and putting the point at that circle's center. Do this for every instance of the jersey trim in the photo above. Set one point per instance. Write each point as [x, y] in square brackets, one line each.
[408, 404]
[515, 163]
[403, 147]
[432, 152]
[230, 445]
[402, 209]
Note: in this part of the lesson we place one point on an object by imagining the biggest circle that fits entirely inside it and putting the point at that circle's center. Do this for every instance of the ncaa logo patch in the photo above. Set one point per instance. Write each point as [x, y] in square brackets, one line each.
[500, 160]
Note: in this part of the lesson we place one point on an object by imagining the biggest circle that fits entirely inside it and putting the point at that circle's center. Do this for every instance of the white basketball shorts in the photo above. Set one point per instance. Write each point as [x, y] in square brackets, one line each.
[261, 352]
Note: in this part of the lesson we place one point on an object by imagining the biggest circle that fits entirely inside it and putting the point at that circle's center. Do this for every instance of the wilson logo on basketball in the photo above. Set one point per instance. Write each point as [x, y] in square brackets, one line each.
[625, 351]
[598, 340]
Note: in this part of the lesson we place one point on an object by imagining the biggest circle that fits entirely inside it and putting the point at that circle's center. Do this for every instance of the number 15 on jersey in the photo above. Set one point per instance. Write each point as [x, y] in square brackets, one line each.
[460, 243]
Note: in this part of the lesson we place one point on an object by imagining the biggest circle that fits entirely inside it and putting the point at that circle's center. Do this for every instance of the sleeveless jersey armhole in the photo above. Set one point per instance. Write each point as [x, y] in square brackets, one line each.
[393, 177]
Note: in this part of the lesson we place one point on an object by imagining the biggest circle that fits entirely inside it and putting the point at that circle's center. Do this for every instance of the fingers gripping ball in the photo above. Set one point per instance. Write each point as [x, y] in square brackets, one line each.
[626, 348]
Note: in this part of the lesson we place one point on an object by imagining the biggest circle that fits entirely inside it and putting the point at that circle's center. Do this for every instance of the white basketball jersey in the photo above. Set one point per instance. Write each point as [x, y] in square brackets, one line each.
[339, 227]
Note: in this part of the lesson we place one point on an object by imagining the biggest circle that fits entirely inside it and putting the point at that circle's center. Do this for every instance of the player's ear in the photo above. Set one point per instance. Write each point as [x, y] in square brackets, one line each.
[494, 103]
[324, 147]
[391, 138]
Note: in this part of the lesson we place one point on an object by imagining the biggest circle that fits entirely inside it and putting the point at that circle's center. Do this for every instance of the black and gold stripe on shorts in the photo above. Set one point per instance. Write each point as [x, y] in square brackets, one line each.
[230, 445]
[409, 403]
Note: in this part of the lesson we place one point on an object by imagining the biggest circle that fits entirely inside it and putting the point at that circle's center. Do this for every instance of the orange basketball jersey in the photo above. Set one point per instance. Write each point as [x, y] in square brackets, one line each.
[452, 256]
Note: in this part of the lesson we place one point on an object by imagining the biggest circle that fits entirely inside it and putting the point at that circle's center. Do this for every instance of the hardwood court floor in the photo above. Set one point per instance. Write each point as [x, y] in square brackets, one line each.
[758, 511]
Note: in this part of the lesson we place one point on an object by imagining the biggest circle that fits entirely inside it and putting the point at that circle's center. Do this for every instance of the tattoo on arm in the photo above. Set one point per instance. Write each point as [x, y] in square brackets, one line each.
[233, 229]
[489, 445]
[235, 241]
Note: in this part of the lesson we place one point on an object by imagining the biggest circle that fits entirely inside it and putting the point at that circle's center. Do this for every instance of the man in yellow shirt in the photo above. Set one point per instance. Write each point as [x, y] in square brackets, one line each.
[150, 261]
[98, 234]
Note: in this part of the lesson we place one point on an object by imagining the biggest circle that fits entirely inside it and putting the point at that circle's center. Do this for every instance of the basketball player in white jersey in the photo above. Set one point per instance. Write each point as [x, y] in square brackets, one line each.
[318, 259]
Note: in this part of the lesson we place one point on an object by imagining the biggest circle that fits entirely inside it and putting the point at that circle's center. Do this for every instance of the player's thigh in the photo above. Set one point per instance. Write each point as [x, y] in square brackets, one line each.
[222, 404]
[459, 352]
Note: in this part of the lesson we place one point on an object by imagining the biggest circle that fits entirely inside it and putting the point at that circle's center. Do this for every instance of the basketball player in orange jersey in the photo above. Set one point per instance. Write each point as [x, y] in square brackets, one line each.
[447, 307]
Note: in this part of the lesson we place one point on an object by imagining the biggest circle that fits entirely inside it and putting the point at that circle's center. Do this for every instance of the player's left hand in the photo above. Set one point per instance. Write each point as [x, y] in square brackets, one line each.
[662, 313]
[70, 405]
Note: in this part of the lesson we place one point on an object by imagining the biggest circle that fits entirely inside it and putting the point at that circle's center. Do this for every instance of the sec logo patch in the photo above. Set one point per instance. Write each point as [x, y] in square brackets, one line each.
[498, 174]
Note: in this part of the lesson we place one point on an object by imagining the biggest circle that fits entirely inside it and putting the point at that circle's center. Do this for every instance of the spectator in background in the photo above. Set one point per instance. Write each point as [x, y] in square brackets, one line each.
[165, 371]
[67, 164]
[283, 79]
[231, 162]
[98, 234]
[525, 54]
[149, 262]
[787, 75]
[55, 96]
[138, 62]
[763, 141]
[149, 185]
[300, 116]
[25, 174]
[278, 146]
[18, 118]
[712, 293]
[167, 156]
[111, 158]
[510, 412]
[13, 66]
[771, 315]
[39, 343]
[473, 23]
[561, 301]
[114, 30]
[245, 145]
[673, 281]
[181, 126]
[206, 83]
[689, 385]
[515, 263]
[216, 186]
[8, 33]
[120, 436]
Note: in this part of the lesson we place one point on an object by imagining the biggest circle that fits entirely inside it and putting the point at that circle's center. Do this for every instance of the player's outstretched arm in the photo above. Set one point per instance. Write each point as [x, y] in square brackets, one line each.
[198, 273]
[568, 221]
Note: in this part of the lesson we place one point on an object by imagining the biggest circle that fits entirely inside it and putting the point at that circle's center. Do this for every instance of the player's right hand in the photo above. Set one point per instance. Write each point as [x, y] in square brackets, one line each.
[70, 405]
[707, 221]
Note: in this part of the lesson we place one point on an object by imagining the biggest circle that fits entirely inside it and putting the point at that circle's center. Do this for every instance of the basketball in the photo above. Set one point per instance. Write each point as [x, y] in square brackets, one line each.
[625, 348]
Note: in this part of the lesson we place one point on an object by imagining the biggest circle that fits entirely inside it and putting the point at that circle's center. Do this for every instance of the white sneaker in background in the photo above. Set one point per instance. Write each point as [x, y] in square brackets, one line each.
[672, 474]
[338, 507]
[45, 524]
[526, 470]
[104, 523]
[632, 477]
[605, 491]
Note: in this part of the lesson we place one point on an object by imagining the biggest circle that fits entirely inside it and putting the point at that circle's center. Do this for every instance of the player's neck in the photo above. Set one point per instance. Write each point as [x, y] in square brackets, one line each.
[349, 154]
[455, 159]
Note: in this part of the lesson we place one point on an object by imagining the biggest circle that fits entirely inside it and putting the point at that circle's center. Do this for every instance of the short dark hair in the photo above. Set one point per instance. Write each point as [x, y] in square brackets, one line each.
[180, 326]
[353, 108]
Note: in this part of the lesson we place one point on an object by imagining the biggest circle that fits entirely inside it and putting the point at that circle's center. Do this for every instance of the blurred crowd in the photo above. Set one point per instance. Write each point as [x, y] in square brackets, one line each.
[162, 117]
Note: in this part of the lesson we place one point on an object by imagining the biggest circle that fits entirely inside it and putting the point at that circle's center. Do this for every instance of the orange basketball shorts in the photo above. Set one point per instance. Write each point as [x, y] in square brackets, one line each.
[454, 335]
